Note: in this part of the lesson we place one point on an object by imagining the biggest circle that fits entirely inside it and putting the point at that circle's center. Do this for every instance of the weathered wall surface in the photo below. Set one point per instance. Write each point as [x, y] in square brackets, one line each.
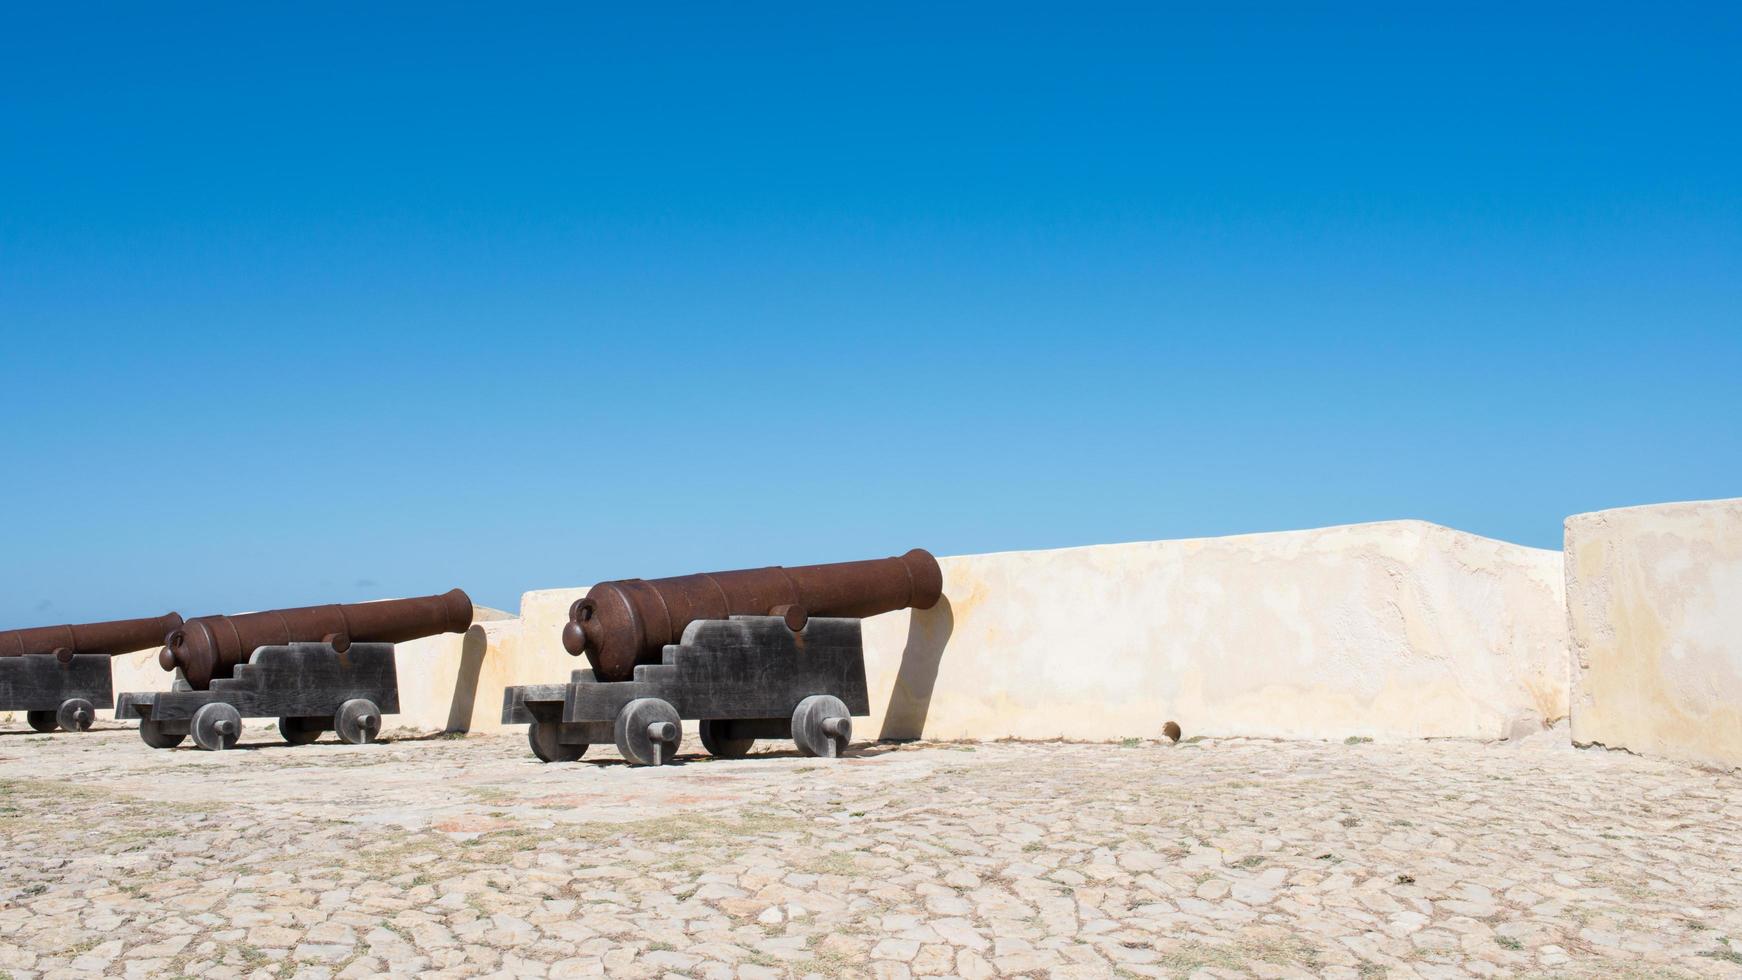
[444, 679]
[137, 672]
[1654, 607]
[1395, 629]
[459, 680]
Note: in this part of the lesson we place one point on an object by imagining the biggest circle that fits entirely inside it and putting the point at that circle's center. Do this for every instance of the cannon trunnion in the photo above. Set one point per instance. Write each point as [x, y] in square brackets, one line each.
[744, 678]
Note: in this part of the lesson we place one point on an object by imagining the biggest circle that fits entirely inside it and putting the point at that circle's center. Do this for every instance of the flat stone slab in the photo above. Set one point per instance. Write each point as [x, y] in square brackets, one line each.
[465, 856]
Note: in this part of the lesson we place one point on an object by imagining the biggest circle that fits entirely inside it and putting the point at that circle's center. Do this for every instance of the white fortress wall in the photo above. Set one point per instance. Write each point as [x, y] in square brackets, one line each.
[1654, 607]
[1398, 629]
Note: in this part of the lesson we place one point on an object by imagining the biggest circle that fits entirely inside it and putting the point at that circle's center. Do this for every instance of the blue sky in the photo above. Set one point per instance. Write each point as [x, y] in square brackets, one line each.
[306, 303]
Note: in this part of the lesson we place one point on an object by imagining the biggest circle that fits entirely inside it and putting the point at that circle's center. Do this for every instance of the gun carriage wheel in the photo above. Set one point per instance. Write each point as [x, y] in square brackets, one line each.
[822, 726]
[154, 734]
[543, 738]
[75, 715]
[216, 726]
[301, 731]
[357, 721]
[41, 721]
[719, 744]
[648, 732]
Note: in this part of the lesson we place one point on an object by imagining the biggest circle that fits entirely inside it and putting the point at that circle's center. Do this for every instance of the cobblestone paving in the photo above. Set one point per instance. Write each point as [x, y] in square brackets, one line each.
[460, 857]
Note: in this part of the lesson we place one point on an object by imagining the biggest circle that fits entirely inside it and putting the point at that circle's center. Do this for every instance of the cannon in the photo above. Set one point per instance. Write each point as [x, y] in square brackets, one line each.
[59, 676]
[316, 669]
[106, 639]
[623, 623]
[209, 647]
[763, 653]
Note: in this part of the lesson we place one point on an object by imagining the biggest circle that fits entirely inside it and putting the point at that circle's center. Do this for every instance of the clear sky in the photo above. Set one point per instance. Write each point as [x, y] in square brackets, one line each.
[308, 302]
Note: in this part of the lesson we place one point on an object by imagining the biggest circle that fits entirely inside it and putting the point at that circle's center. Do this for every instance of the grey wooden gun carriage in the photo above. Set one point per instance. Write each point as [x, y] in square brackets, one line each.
[743, 678]
[55, 693]
[309, 687]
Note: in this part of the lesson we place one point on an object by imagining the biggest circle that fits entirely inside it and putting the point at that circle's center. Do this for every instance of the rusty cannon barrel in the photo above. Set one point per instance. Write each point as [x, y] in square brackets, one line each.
[620, 624]
[208, 647]
[110, 639]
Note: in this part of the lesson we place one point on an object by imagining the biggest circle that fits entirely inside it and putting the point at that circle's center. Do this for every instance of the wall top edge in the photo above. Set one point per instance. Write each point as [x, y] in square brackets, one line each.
[1667, 507]
[1412, 525]
[1402, 524]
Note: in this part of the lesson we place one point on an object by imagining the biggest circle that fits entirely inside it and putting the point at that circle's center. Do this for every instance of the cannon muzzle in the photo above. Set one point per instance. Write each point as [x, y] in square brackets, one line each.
[110, 639]
[620, 624]
[209, 647]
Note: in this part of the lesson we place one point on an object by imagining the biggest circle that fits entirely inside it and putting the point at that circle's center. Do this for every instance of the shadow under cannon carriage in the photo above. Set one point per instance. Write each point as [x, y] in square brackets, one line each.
[309, 687]
[56, 692]
[743, 678]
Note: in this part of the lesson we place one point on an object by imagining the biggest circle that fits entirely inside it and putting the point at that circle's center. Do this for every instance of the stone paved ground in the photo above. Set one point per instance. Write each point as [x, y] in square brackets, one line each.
[452, 857]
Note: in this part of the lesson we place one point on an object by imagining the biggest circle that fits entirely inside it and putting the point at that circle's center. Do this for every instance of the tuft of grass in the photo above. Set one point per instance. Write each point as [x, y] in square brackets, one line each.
[1193, 956]
[1130, 743]
[1726, 954]
[251, 954]
[1509, 942]
[837, 863]
[1356, 740]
